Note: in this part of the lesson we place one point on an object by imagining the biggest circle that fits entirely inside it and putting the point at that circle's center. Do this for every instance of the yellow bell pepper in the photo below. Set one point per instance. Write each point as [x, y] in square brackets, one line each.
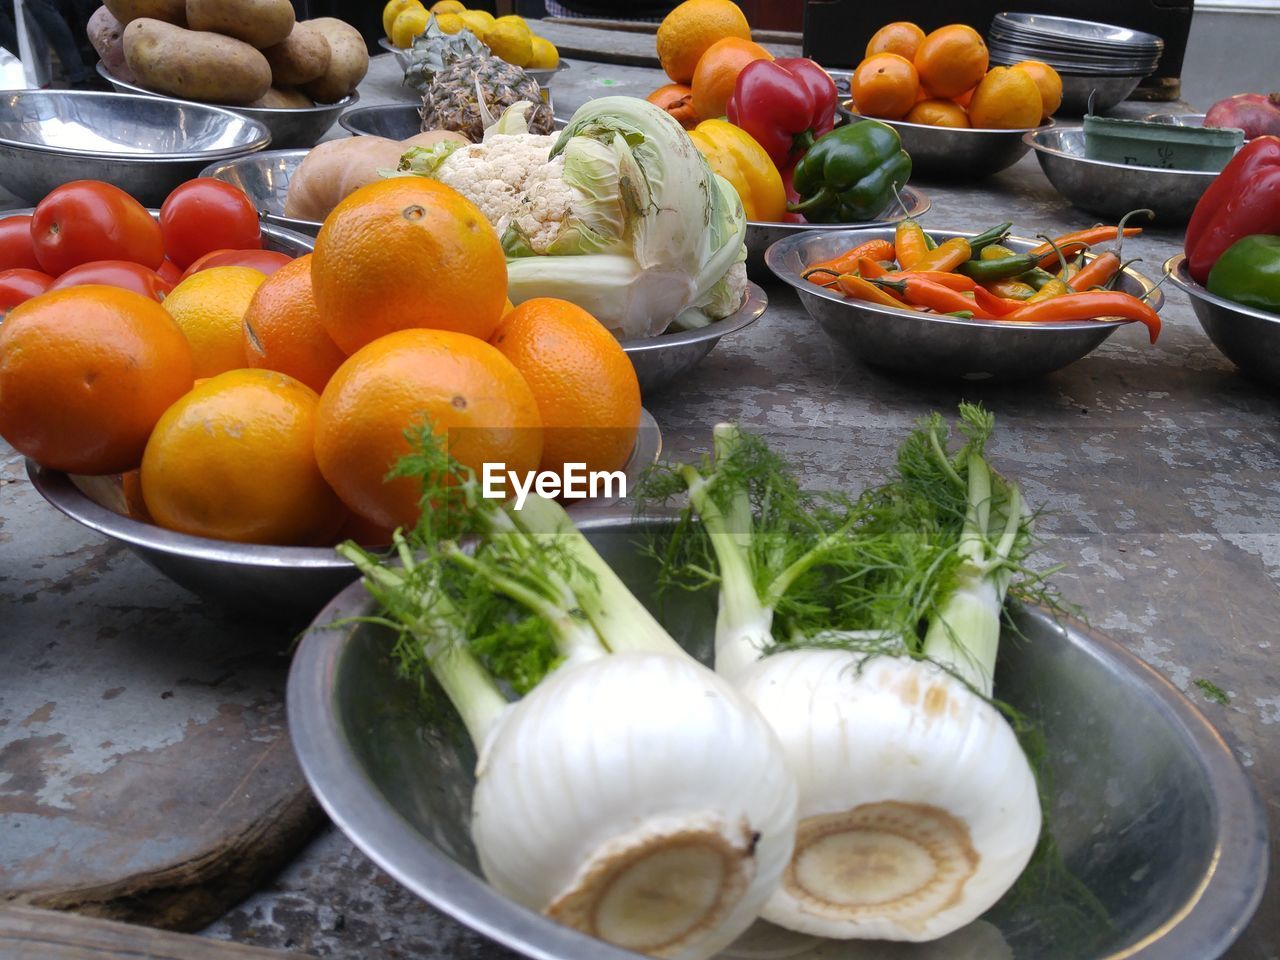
[732, 153]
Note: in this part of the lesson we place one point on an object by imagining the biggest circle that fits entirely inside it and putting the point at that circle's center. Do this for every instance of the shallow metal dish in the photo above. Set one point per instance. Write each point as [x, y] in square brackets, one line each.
[660, 360]
[289, 128]
[1177, 119]
[143, 145]
[1084, 32]
[283, 584]
[544, 77]
[1133, 762]
[264, 178]
[1108, 92]
[1113, 189]
[930, 345]
[948, 153]
[395, 121]
[1249, 337]
[761, 234]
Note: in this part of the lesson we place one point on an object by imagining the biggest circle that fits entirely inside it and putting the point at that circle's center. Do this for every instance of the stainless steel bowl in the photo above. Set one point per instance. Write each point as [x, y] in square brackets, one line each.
[1108, 92]
[395, 121]
[1113, 189]
[544, 77]
[264, 178]
[930, 345]
[947, 153]
[761, 235]
[1250, 338]
[143, 145]
[1177, 119]
[301, 127]
[1133, 764]
[660, 360]
[283, 584]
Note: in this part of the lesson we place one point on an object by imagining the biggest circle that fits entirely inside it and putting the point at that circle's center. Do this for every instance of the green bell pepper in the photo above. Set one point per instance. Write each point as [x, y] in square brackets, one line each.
[849, 174]
[1248, 272]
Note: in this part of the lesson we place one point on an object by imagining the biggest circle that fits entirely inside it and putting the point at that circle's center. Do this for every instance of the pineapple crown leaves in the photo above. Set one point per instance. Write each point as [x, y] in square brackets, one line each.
[433, 50]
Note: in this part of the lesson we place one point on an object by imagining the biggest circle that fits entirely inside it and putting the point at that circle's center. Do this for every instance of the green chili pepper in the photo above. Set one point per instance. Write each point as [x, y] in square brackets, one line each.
[848, 175]
[1002, 268]
[988, 237]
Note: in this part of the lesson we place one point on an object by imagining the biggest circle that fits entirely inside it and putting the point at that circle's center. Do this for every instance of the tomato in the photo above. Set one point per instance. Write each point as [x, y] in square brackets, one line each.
[20, 284]
[16, 249]
[88, 220]
[124, 274]
[170, 271]
[268, 261]
[204, 215]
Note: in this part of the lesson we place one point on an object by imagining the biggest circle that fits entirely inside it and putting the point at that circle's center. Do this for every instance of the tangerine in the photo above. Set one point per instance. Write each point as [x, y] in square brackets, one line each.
[901, 37]
[938, 113]
[282, 328]
[1049, 83]
[951, 59]
[85, 373]
[1006, 99]
[884, 85]
[209, 307]
[717, 73]
[407, 252]
[460, 385]
[687, 32]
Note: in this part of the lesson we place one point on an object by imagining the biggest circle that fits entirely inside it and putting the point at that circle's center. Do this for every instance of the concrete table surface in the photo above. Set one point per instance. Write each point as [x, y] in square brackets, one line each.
[1157, 468]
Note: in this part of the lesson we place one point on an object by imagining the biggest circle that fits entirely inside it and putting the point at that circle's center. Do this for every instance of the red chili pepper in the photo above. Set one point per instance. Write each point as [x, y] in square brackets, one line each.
[784, 104]
[1092, 305]
[1243, 199]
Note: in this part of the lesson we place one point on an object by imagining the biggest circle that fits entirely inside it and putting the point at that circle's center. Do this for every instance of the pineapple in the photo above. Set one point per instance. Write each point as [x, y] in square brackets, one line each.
[464, 87]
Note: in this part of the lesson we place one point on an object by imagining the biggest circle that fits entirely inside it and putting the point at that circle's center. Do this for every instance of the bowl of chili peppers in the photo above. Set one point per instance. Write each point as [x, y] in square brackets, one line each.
[962, 305]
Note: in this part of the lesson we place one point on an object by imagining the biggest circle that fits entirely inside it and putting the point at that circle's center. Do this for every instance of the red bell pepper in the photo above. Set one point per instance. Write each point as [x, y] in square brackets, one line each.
[784, 104]
[1243, 199]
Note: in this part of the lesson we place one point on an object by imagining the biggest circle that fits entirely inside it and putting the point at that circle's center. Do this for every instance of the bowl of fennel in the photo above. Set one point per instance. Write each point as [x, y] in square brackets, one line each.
[928, 778]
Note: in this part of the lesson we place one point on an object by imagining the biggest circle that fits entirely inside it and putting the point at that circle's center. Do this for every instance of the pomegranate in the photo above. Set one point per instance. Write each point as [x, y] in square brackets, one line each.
[1254, 113]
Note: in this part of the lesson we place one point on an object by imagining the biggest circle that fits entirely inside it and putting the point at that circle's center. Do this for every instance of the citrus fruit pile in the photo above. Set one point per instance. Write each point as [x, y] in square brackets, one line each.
[507, 37]
[270, 409]
[943, 79]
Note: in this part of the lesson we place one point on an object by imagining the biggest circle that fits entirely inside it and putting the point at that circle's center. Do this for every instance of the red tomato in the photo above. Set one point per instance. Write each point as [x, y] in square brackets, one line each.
[124, 274]
[16, 249]
[268, 261]
[88, 220]
[20, 284]
[170, 271]
[204, 215]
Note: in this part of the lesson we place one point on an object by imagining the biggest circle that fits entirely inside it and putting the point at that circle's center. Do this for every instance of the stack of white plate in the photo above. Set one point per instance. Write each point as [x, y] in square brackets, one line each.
[1097, 58]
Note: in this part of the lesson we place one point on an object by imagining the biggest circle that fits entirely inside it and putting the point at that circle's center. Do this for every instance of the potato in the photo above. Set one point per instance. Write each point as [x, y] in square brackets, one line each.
[301, 57]
[349, 61]
[170, 11]
[259, 23]
[335, 169]
[106, 33]
[279, 98]
[194, 65]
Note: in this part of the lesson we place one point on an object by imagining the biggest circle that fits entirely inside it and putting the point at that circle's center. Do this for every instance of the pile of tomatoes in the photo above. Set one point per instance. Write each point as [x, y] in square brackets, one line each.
[89, 232]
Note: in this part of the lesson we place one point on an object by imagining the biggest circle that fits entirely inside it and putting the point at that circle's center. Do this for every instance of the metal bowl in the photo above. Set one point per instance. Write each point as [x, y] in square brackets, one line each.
[544, 77]
[949, 153]
[1113, 189]
[931, 345]
[283, 584]
[761, 235]
[264, 178]
[395, 121]
[1177, 119]
[660, 360]
[1108, 92]
[1133, 763]
[1249, 337]
[302, 127]
[143, 145]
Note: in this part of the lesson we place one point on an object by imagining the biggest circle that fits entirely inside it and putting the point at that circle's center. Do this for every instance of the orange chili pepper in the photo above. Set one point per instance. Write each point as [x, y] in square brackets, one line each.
[910, 244]
[851, 285]
[1079, 240]
[926, 293]
[952, 281]
[844, 262]
[1010, 289]
[996, 306]
[1091, 305]
[1097, 271]
[946, 257]
[869, 269]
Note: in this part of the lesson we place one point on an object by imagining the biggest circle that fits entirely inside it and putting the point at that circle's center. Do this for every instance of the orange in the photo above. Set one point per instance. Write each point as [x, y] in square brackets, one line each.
[938, 113]
[1006, 100]
[901, 37]
[965, 98]
[717, 72]
[85, 373]
[584, 383]
[282, 329]
[951, 59]
[407, 252]
[209, 306]
[884, 85]
[457, 383]
[1049, 83]
[131, 490]
[234, 459]
[677, 100]
[691, 28]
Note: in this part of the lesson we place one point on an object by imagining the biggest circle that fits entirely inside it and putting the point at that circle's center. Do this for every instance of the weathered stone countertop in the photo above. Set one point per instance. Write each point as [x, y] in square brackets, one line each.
[1157, 468]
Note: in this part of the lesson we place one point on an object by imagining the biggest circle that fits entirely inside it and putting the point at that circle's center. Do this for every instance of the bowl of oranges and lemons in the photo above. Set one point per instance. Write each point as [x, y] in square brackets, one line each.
[234, 431]
[959, 118]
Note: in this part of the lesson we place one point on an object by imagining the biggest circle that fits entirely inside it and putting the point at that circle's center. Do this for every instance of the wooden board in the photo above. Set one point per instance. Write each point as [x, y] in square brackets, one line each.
[627, 46]
[145, 770]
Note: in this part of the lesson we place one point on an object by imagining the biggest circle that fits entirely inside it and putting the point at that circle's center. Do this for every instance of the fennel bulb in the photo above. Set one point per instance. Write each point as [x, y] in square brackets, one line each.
[918, 808]
[632, 793]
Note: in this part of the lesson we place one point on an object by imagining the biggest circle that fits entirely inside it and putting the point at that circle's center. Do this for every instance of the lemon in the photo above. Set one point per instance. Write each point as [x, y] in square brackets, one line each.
[513, 18]
[449, 22]
[209, 307]
[478, 21]
[393, 9]
[408, 25]
[447, 6]
[545, 55]
[510, 41]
